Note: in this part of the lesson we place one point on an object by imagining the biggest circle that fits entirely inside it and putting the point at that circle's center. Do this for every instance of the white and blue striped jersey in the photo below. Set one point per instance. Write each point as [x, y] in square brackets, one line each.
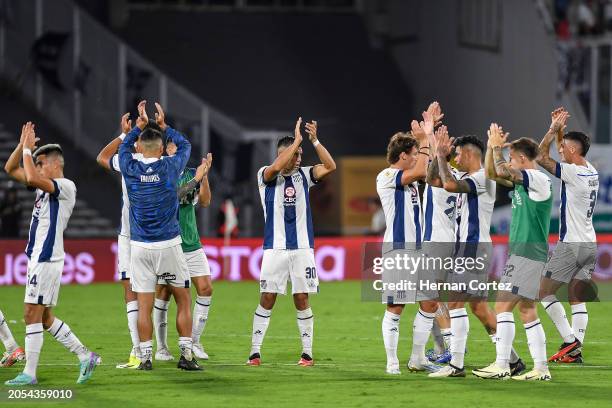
[286, 205]
[124, 228]
[402, 207]
[49, 220]
[579, 188]
[474, 209]
[439, 213]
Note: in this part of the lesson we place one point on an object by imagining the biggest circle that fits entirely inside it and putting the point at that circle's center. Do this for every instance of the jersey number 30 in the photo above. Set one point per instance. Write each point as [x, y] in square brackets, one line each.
[311, 272]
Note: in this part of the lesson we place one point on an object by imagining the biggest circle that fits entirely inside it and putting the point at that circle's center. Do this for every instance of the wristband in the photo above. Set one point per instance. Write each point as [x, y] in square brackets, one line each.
[316, 143]
[122, 136]
[27, 152]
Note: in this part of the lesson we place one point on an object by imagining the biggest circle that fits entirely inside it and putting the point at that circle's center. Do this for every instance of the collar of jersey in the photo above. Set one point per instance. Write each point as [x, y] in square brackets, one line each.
[148, 160]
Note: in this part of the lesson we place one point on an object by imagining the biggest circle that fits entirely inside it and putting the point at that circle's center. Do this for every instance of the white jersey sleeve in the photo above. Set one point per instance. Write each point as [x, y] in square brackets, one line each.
[579, 190]
[114, 163]
[309, 172]
[537, 184]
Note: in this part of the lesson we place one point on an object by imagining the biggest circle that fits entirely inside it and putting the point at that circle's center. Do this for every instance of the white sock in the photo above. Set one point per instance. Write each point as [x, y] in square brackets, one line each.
[504, 337]
[261, 320]
[446, 335]
[556, 312]
[186, 346]
[438, 338]
[200, 316]
[160, 322]
[580, 319]
[390, 332]
[460, 327]
[132, 318]
[536, 340]
[6, 336]
[33, 345]
[62, 333]
[305, 322]
[146, 350]
[421, 330]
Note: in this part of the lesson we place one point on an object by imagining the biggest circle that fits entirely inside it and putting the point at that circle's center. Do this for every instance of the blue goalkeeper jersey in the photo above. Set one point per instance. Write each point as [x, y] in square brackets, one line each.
[152, 189]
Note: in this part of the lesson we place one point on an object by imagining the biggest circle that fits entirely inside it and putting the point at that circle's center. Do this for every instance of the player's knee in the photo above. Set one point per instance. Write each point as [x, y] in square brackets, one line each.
[429, 306]
[301, 301]
[267, 300]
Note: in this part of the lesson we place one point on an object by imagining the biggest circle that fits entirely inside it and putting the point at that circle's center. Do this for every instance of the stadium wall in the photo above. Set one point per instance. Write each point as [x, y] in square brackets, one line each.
[512, 82]
[337, 258]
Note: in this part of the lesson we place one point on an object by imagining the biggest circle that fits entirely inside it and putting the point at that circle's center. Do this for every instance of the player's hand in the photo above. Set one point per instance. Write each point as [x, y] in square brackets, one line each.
[497, 137]
[417, 131]
[298, 133]
[311, 129]
[436, 111]
[160, 117]
[203, 168]
[126, 123]
[443, 142]
[559, 118]
[428, 123]
[143, 119]
[28, 135]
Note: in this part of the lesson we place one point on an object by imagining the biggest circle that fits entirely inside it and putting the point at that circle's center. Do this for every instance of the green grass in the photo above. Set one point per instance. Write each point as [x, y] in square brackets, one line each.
[349, 355]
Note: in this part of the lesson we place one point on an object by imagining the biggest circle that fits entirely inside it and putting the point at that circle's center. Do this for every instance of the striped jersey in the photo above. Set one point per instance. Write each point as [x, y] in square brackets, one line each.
[124, 229]
[402, 207]
[579, 189]
[151, 185]
[49, 220]
[286, 205]
[439, 207]
[474, 209]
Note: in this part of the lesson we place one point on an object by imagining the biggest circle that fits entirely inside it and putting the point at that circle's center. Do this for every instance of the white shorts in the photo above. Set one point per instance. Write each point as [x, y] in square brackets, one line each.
[123, 257]
[197, 264]
[42, 287]
[150, 265]
[280, 265]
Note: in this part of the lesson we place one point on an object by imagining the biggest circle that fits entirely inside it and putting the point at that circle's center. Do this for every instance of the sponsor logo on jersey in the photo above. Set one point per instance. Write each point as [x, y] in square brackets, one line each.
[168, 276]
[289, 196]
[154, 178]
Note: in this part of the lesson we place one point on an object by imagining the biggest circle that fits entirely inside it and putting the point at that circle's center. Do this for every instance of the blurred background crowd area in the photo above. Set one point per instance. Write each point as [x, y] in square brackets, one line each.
[234, 75]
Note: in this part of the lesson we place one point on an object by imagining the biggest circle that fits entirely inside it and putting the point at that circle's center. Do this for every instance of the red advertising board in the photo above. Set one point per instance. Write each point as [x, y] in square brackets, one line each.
[337, 258]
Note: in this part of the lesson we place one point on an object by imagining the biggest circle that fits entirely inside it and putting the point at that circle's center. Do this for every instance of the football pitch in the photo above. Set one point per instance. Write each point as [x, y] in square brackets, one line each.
[348, 351]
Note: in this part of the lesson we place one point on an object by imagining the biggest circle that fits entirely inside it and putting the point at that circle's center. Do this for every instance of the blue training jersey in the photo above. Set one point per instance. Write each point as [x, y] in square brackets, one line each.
[151, 185]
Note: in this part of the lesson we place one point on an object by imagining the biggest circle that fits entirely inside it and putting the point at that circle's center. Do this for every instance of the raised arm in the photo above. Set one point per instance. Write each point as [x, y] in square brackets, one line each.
[125, 148]
[448, 180]
[433, 170]
[490, 172]
[422, 132]
[12, 166]
[284, 158]
[201, 178]
[558, 122]
[106, 154]
[33, 178]
[497, 139]
[327, 164]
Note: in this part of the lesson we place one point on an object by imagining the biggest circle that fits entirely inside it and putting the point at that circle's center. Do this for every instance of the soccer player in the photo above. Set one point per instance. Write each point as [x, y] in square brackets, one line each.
[475, 200]
[55, 198]
[109, 159]
[193, 190]
[528, 250]
[155, 241]
[13, 352]
[397, 187]
[288, 237]
[574, 257]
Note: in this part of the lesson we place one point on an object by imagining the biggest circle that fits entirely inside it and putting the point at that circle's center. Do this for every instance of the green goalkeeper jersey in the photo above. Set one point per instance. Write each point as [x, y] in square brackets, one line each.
[531, 207]
[187, 216]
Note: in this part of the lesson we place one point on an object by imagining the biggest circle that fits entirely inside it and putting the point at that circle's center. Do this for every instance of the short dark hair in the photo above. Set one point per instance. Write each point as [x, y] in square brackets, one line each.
[400, 142]
[470, 140]
[527, 146]
[48, 150]
[150, 133]
[583, 139]
[285, 141]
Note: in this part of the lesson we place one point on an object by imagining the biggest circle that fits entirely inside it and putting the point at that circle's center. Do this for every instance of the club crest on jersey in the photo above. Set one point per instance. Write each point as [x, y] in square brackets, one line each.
[289, 196]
